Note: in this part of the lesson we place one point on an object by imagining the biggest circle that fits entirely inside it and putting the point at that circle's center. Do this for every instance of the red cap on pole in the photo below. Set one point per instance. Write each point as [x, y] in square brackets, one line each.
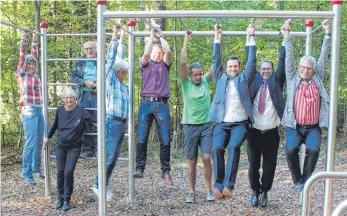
[132, 22]
[101, 2]
[336, 1]
[309, 23]
[44, 24]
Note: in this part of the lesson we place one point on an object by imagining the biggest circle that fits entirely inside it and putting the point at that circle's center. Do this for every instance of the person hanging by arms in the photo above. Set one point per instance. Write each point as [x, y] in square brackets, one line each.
[117, 104]
[70, 122]
[197, 129]
[231, 111]
[307, 107]
[263, 139]
[155, 93]
[31, 102]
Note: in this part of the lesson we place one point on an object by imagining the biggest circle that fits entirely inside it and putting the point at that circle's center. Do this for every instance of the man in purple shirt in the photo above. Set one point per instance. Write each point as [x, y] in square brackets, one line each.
[155, 93]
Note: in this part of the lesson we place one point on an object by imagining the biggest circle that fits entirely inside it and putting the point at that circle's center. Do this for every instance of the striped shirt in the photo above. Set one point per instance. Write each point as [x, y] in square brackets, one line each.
[307, 103]
[117, 94]
[29, 84]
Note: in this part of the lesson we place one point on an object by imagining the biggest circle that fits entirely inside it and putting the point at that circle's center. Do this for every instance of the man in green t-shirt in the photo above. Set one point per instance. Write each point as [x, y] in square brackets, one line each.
[197, 129]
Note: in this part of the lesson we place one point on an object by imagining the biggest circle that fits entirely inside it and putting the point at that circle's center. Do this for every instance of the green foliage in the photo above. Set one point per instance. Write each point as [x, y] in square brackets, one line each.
[80, 17]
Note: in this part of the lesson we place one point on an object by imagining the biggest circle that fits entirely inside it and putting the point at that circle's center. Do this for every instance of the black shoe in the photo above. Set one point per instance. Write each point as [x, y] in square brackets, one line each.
[263, 201]
[254, 199]
[66, 206]
[59, 203]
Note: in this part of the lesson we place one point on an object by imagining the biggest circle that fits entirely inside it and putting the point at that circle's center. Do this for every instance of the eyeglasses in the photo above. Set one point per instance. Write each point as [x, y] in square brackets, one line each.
[305, 68]
[195, 75]
[266, 69]
[89, 48]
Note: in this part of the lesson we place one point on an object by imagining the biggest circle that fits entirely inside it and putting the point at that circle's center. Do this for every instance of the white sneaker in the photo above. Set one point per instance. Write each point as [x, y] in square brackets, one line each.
[95, 190]
[109, 194]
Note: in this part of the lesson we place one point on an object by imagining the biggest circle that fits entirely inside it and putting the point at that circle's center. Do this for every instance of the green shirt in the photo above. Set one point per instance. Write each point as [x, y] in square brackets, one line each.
[196, 100]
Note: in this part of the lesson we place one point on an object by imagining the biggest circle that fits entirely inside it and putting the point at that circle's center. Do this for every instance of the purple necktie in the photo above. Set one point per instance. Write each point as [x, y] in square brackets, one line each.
[262, 97]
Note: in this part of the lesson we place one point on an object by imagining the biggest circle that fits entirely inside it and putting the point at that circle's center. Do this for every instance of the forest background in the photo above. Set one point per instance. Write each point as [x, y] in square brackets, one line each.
[80, 17]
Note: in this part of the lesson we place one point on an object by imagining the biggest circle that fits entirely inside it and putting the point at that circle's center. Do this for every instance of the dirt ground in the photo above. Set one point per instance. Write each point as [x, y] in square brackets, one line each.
[153, 198]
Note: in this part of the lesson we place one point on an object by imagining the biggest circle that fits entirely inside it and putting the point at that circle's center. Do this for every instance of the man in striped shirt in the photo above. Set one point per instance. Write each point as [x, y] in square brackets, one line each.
[117, 104]
[306, 109]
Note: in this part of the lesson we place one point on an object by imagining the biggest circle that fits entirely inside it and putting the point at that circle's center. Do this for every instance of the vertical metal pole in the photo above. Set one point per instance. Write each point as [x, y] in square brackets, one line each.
[101, 106]
[44, 80]
[334, 78]
[131, 54]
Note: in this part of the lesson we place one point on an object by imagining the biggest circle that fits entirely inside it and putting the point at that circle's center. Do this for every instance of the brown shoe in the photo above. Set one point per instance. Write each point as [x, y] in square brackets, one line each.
[217, 194]
[138, 175]
[227, 192]
[167, 179]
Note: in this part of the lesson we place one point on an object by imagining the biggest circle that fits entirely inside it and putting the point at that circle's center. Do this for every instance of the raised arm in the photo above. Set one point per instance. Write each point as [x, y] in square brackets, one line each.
[322, 62]
[184, 57]
[34, 46]
[251, 59]
[112, 51]
[217, 67]
[147, 52]
[288, 44]
[167, 51]
[22, 53]
[280, 72]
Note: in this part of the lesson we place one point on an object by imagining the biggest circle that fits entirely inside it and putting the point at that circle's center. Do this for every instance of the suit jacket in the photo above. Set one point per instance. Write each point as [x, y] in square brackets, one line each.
[242, 83]
[275, 84]
[293, 82]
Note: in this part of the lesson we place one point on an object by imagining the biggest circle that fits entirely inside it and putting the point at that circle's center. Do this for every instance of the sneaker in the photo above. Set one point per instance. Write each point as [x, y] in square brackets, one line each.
[86, 155]
[109, 194]
[190, 198]
[66, 206]
[138, 174]
[29, 180]
[299, 187]
[167, 178]
[210, 196]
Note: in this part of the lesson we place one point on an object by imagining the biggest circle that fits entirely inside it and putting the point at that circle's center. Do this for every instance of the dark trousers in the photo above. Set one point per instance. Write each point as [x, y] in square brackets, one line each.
[149, 111]
[230, 136]
[262, 143]
[311, 136]
[66, 160]
[90, 141]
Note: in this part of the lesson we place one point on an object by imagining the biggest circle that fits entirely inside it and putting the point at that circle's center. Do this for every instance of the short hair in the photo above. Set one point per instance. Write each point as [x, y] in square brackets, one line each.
[233, 58]
[266, 61]
[89, 44]
[29, 58]
[120, 64]
[309, 59]
[194, 65]
[68, 91]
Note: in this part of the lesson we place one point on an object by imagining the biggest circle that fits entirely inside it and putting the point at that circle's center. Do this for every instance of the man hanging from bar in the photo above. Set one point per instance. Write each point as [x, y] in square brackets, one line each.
[117, 104]
[307, 107]
[231, 111]
[155, 93]
[263, 139]
[197, 129]
[84, 75]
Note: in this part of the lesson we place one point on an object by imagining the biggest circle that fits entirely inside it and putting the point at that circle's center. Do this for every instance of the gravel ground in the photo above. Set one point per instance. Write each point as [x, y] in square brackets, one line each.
[153, 198]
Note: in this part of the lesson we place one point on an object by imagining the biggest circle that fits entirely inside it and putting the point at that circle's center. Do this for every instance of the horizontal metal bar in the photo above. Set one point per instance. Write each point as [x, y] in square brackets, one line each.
[224, 33]
[55, 108]
[62, 84]
[219, 13]
[75, 34]
[95, 158]
[18, 27]
[71, 59]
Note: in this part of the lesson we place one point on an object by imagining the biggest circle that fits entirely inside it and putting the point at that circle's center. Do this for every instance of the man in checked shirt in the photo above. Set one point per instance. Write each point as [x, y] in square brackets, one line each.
[306, 108]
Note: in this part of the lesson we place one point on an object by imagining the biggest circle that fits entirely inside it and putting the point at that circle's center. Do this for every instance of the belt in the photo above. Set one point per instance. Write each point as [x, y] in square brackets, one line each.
[266, 131]
[156, 99]
[112, 117]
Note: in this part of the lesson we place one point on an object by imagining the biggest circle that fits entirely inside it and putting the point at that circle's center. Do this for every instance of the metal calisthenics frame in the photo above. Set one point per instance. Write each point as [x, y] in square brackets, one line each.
[102, 15]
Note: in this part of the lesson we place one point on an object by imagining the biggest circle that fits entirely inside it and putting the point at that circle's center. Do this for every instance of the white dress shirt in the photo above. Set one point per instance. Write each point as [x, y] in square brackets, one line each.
[234, 111]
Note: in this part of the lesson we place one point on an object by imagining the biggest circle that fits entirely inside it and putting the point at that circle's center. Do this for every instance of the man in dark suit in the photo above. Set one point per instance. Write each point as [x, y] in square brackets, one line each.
[263, 138]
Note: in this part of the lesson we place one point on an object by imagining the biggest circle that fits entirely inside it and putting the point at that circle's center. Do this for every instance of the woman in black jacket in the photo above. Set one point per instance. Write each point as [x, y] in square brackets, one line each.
[70, 122]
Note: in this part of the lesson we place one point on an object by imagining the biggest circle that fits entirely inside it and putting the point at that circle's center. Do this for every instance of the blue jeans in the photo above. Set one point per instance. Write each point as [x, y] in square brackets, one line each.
[230, 136]
[90, 141]
[159, 111]
[311, 136]
[32, 120]
[115, 131]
